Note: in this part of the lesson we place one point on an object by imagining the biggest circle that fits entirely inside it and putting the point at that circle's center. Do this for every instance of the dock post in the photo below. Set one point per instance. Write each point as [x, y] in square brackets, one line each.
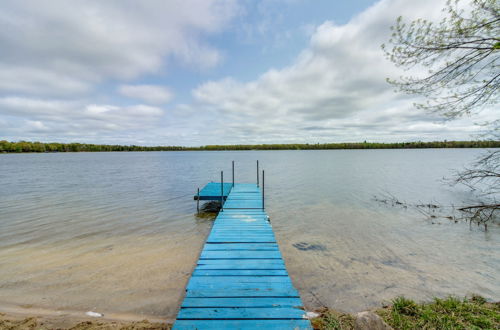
[257, 173]
[198, 201]
[233, 173]
[222, 191]
[263, 189]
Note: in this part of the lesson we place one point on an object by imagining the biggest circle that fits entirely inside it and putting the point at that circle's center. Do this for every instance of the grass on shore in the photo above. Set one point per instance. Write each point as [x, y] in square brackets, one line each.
[331, 319]
[448, 313]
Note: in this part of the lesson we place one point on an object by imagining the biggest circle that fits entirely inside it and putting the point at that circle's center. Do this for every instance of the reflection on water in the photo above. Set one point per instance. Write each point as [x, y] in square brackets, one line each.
[117, 232]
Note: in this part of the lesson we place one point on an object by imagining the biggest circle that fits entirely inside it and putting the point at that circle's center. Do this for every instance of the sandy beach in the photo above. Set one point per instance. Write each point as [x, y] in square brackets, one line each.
[30, 317]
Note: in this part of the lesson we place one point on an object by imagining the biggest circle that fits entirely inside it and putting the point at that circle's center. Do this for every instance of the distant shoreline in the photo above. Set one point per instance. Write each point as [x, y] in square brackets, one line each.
[53, 147]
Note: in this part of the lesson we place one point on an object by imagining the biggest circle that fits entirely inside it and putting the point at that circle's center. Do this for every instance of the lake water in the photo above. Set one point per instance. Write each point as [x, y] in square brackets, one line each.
[118, 232]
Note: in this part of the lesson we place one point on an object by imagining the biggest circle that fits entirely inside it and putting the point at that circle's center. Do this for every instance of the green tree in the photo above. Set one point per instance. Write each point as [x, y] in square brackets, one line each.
[461, 57]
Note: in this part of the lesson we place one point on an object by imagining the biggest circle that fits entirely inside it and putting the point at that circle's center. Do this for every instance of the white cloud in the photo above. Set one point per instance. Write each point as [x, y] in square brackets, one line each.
[59, 60]
[36, 126]
[335, 90]
[40, 81]
[58, 46]
[78, 117]
[148, 93]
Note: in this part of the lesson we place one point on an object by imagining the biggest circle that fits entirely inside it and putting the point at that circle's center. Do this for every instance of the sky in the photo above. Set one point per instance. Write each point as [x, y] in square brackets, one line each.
[198, 72]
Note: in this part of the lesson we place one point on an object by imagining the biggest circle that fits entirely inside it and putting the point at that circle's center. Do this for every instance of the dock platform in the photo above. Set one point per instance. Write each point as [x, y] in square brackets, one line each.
[213, 191]
[240, 280]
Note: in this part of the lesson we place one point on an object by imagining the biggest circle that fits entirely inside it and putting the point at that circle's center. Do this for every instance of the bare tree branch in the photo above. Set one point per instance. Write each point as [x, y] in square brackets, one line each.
[461, 58]
[461, 55]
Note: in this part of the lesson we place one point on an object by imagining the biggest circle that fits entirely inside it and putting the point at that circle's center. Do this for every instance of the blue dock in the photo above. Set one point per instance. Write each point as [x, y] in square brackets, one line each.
[212, 191]
[240, 281]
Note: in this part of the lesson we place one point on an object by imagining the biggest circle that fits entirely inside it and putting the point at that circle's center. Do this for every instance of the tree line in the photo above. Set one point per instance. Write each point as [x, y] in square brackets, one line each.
[26, 146]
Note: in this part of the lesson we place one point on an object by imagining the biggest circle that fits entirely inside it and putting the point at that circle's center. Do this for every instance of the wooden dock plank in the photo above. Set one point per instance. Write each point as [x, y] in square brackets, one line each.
[242, 222]
[237, 239]
[263, 285]
[240, 266]
[240, 255]
[203, 280]
[243, 212]
[240, 272]
[241, 246]
[232, 216]
[242, 302]
[243, 324]
[269, 292]
[244, 227]
[248, 263]
[243, 233]
[237, 313]
[230, 286]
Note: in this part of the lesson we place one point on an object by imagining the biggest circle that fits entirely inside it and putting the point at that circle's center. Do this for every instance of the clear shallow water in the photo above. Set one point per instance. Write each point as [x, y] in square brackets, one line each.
[118, 232]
